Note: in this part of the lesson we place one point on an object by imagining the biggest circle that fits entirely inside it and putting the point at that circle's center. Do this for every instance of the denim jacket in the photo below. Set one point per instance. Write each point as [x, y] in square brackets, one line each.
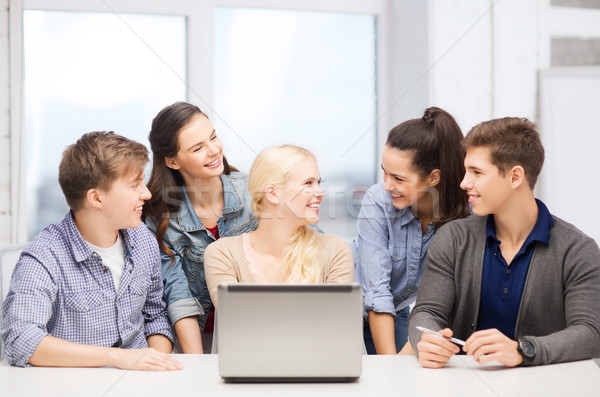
[185, 287]
[389, 252]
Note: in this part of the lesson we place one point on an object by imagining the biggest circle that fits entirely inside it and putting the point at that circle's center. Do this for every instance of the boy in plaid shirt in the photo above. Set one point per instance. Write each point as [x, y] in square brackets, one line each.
[87, 291]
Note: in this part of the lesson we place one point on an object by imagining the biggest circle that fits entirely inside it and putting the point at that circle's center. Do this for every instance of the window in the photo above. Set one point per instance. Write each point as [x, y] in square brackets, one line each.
[319, 82]
[91, 71]
[306, 78]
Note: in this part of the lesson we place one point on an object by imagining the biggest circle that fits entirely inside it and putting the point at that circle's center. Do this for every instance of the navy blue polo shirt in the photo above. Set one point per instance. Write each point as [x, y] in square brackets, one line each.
[502, 285]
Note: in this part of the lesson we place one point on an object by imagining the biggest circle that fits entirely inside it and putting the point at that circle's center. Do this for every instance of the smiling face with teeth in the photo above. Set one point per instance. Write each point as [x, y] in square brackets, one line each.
[400, 178]
[301, 194]
[122, 203]
[487, 189]
[200, 154]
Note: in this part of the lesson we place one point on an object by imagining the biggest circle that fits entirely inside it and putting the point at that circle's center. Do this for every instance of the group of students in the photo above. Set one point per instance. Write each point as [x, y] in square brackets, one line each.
[101, 287]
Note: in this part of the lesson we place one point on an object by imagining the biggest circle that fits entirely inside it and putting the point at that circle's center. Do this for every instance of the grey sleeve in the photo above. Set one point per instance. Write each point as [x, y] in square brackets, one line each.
[436, 294]
[581, 338]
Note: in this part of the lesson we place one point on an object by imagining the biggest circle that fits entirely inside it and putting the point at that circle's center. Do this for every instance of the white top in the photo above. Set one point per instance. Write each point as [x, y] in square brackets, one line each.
[113, 258]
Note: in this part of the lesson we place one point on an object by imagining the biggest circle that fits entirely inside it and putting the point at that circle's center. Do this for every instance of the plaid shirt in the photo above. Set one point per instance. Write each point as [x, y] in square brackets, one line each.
[59, 287]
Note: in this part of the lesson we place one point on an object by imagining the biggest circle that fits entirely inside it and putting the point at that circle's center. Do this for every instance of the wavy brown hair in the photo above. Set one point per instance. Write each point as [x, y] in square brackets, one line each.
[167, 184]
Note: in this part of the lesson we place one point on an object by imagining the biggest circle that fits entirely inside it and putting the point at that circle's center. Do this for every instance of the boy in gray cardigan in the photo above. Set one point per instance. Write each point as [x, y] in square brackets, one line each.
[520, 286]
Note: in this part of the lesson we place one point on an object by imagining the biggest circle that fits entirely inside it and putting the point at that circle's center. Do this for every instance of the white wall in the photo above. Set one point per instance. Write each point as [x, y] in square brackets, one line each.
[460, 59]
[409, 38]
[484, 57]
[571, 134]
[5, 216]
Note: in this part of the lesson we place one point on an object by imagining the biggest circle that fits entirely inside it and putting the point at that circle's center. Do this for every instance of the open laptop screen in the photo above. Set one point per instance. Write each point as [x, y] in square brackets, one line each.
[290, 331]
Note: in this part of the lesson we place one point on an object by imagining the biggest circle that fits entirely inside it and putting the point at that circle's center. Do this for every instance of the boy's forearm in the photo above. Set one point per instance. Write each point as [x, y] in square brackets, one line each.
[55, 352]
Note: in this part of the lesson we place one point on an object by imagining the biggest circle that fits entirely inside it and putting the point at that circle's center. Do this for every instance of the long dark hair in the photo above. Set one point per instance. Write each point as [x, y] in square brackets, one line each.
[167, 184]
[436, 141]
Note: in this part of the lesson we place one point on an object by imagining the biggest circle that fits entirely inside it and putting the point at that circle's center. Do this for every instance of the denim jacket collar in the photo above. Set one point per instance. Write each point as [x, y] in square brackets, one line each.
[189, 221]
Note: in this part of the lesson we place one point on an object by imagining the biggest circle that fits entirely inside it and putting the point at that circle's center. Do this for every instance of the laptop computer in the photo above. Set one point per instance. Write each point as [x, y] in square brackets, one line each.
[286, 332]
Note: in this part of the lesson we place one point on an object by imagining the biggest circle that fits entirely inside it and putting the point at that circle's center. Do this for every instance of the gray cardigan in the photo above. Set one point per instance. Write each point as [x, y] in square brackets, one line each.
[560, 306]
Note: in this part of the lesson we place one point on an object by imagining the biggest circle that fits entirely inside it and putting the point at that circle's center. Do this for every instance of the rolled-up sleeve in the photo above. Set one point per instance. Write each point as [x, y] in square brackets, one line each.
[27, 309]
[154, 311]
[373, 259]
[180, 302]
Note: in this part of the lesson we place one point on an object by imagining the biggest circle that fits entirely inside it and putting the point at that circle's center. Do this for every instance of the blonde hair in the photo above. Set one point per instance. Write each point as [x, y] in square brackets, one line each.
[274, 166]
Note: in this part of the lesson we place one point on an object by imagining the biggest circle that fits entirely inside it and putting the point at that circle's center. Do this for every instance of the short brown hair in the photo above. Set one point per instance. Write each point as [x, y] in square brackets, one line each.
[96, 160]
[512, 141]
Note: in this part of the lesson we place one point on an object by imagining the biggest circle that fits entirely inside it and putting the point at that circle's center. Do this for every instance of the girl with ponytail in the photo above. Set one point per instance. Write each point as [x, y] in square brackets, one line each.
[422, 165]
[284, 185]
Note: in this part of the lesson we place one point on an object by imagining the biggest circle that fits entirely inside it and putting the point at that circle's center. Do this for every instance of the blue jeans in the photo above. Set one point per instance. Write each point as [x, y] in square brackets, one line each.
[400, 331]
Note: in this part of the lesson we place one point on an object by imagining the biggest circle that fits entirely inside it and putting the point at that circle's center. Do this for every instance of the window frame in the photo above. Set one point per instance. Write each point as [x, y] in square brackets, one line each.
[200, 70]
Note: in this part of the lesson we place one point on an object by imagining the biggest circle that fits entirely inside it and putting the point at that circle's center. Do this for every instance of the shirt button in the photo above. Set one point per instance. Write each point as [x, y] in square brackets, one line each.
[370, 284]
[95, 254]
[426, 234]
[507, 270]
[408, 289]
[505, 290]
[397, 258]
[413, 271]
[105, 269]
[130, 271]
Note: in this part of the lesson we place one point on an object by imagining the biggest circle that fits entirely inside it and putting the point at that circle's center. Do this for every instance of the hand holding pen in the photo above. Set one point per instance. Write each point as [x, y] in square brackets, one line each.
[432, 332]
[435, 348]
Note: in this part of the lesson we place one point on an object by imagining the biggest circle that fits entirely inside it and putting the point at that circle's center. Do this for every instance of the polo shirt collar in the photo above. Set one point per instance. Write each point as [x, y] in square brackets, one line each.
[540, 231]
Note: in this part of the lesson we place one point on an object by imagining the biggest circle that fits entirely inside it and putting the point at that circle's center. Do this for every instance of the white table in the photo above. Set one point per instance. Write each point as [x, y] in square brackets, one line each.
[382, 376]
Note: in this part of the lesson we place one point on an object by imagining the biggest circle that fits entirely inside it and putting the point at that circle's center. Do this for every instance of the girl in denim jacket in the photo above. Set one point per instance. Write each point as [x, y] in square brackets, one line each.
[196, 198]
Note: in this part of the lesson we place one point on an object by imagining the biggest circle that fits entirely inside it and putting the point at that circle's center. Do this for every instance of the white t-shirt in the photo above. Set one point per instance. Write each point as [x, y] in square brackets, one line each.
[113, 258]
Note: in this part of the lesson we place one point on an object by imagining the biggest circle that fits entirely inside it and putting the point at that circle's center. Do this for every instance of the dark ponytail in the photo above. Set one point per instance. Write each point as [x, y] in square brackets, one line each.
[436, 141]
[166, 184]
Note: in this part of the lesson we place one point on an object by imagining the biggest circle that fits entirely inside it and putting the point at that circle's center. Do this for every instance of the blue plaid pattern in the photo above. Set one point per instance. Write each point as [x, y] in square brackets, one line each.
[59, 287]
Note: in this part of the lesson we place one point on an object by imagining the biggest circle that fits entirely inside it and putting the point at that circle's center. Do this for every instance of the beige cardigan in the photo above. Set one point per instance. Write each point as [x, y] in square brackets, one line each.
[225, 262]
